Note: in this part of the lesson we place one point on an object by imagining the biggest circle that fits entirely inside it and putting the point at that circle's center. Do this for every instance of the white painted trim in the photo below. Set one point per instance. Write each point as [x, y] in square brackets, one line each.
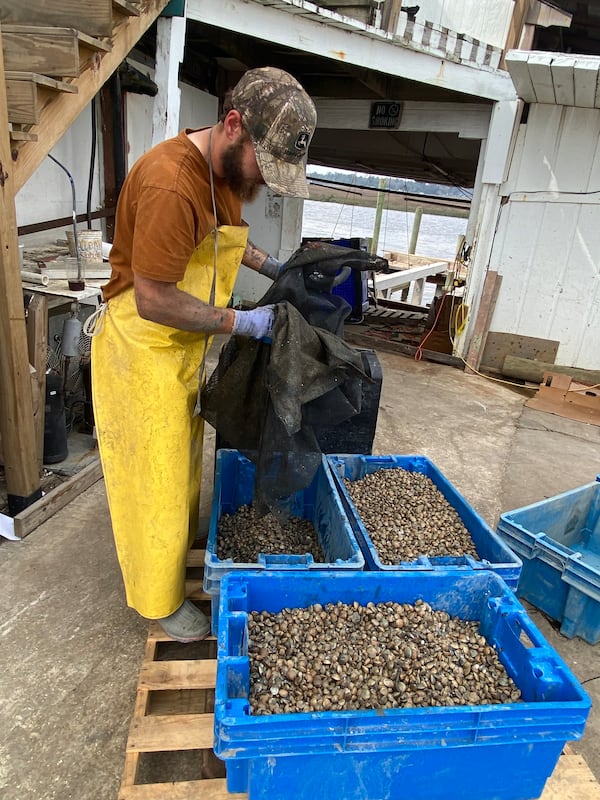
[502, 134]
[496, 157]
[170, 43]
[583, 199]
[349, 42]
[469, 120]
[402, 277]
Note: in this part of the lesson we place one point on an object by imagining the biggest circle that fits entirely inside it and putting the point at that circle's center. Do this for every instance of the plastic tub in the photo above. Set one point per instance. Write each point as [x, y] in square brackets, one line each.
[493, 552]
[319, 503]
[488, 752]
[559, 542]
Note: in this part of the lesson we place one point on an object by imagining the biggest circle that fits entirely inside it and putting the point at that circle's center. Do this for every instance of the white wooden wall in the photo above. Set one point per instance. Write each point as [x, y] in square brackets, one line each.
[47, 194]
[547, 246]
[486, 20]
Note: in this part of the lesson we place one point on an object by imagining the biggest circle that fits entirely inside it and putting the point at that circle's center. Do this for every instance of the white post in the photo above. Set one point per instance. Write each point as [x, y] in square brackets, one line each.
[170, 42]
[496, 156]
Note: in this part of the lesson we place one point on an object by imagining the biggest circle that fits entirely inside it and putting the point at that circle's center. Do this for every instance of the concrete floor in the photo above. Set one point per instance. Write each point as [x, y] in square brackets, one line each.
[70, 650]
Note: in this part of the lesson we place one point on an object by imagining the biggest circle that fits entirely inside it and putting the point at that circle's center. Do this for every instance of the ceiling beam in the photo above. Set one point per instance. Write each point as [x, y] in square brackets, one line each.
[358, 46]
[468, 120]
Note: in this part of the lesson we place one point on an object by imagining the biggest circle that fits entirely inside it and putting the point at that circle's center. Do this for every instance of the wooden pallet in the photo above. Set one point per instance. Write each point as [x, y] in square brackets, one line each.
[173, 723]
[169, 750]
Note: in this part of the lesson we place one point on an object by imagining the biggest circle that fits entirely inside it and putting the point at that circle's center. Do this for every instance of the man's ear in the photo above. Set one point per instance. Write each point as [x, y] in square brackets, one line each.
[232, 124]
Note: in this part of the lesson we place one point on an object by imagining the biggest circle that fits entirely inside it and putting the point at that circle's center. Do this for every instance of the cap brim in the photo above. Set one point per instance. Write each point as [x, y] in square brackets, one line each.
[282, 177]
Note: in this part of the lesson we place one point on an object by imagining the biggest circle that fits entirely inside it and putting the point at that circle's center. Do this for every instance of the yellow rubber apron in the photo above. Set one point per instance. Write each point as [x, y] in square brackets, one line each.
[145, 380]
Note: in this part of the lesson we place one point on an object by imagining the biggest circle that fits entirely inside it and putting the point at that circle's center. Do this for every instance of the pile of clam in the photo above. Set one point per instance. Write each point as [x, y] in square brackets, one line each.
[406, 516]
[386, 655]
[245, 534]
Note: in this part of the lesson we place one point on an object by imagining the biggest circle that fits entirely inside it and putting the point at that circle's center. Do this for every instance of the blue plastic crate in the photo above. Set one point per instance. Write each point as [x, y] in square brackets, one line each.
[559, 542]
[319, 503]
[488, 752]
[493, 552]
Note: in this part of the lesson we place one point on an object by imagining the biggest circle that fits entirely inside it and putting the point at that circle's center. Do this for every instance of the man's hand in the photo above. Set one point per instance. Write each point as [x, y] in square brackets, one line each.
[257, 323]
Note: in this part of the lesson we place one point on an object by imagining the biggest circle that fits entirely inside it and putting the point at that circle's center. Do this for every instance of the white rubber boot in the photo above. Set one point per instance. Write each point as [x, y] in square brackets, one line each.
[187, 624]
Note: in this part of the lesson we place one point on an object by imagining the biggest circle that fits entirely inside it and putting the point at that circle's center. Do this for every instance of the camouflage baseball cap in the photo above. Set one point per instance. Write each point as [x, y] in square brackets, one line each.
[281, 119]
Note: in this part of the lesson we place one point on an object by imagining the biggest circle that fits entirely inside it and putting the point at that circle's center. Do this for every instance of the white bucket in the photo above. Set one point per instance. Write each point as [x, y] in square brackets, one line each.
[90, 246]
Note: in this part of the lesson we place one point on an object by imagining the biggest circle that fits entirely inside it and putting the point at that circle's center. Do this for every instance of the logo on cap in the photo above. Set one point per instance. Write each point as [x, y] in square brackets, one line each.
[302, 141]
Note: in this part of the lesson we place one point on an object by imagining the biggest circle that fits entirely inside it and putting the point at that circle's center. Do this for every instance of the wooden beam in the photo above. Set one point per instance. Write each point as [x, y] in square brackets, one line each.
[48, 51]
[93, 17]
[16, 397]
[489, 295]
[520, 13]
[29, 93]
[37, 342]
[56, 118]
[529, 369]
[30, 519]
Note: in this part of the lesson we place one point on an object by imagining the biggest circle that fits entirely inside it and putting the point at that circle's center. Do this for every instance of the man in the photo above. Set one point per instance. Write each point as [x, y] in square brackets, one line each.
[179, 240]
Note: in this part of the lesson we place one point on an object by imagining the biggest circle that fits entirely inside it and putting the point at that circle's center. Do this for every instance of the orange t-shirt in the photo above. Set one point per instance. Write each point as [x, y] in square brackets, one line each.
[164, 212]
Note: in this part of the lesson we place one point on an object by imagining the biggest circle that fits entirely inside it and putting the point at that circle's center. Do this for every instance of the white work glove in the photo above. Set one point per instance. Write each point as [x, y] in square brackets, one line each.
[257, 323]
[271, 268]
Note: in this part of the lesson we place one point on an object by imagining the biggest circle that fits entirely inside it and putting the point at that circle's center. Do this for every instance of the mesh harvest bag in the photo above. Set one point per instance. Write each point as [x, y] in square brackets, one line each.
[264, 399]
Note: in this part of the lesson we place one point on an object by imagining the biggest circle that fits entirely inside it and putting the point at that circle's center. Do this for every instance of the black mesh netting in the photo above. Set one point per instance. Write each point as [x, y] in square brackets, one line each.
[265, 399]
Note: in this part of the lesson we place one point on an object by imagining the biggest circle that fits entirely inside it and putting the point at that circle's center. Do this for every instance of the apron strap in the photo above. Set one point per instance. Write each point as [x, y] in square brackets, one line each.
[211, 299]
[93, 324]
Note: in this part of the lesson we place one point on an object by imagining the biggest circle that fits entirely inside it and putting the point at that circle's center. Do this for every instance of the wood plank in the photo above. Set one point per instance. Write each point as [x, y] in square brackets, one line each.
[126, 7]
[94, 17]
[48, 51]
[37, 513]
[572, 779]
[166, 675]
[489, 295]
[57, 118]
[500, 345]
[371, 342]
[23, 136]
[17, 429]
[209, 789]
[195, 591]
[56, 52]
[142, 697]
[533, 370]
[21, 100]
[195, 557]
[172, 732]
[41, 80]
[182, 701]
[37, 341]
[29, 93]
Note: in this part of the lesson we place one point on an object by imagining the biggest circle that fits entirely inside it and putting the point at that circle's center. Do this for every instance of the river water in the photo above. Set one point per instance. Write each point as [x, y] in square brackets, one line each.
[438, 236]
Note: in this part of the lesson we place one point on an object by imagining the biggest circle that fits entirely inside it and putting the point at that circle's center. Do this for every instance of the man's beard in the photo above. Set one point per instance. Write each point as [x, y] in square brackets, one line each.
[246, 189]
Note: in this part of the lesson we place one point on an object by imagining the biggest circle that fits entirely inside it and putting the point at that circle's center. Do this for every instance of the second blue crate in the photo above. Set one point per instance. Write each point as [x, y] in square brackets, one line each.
[319, 503]
[559, 542]
[493, 553]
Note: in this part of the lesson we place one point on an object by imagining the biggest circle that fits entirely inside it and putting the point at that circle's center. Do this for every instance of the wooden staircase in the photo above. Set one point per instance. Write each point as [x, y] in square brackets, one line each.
[55, 55]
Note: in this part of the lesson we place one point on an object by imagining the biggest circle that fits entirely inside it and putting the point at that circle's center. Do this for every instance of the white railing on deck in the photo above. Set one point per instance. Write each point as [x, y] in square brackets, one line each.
[425, 37]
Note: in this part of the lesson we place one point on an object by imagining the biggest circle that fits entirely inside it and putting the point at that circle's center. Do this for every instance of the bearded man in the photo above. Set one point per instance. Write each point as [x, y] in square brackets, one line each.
[179, 241]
